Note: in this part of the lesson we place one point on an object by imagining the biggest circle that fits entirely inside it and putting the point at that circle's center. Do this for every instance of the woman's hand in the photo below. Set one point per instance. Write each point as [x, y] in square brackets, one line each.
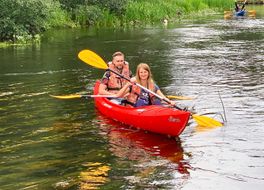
[133, 80]
[173, 103]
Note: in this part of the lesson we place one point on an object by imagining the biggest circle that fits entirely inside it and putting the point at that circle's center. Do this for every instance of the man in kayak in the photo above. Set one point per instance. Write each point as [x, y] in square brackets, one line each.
[238, 8]
[111, 83]
[138, 96]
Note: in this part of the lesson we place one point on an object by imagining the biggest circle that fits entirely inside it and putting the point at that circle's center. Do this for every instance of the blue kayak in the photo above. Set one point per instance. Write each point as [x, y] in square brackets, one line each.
[240, 13]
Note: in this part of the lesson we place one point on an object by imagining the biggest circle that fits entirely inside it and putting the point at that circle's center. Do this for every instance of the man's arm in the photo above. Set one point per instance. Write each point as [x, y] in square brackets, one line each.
[103, 85]
[103, 91]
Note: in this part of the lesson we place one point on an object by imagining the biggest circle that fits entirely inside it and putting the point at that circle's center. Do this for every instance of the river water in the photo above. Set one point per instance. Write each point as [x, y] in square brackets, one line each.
[46, 143]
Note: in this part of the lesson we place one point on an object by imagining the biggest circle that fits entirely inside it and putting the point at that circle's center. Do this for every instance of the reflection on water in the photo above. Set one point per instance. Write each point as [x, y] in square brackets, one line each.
[142, 147]
[96, 175]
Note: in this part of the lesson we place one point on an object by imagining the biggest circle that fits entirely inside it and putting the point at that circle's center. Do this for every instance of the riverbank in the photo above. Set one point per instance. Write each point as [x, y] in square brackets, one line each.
[23, 20]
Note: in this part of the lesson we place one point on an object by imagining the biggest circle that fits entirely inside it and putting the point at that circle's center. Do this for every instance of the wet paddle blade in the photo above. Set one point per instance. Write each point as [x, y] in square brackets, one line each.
[67, 96]
[180, 97]
[202, 120]
[91, 58]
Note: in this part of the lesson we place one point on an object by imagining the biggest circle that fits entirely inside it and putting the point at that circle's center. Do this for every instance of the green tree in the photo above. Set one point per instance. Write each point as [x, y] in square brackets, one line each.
[20, 19]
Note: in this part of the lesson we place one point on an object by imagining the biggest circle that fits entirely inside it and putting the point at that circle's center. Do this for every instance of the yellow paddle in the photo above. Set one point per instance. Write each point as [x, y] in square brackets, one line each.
[202, 120]
[72, 96]
[179, 97]
[91, 58]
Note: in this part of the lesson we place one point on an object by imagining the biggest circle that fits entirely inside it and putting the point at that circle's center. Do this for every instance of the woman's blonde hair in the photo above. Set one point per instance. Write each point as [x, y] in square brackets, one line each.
[147, 68]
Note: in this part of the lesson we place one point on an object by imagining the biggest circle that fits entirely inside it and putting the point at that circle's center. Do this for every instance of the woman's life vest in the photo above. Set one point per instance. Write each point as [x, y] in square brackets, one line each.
[139, 97]
[115, 82]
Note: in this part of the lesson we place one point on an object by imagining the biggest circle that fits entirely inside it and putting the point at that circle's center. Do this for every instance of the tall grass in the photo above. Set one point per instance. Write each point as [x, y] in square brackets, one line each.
[219, 4]
[156, 10]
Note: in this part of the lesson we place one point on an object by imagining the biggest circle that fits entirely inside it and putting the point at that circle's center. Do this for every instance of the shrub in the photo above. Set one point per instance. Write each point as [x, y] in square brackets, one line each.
[87, 15]
[25, 18]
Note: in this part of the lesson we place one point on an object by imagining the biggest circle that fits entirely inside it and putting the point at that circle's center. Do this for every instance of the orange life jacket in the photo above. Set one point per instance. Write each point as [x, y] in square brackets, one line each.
[135, 94]
[115, 82]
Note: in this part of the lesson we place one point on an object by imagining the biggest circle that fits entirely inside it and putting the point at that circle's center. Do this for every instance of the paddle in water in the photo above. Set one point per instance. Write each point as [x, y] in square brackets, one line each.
[91, 58]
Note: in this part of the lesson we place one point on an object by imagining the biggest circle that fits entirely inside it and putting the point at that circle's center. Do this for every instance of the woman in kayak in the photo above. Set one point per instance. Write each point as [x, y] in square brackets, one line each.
[138, 96]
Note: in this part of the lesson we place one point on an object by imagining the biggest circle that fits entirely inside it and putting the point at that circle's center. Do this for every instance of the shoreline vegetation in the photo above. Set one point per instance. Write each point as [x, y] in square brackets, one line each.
[23, 21]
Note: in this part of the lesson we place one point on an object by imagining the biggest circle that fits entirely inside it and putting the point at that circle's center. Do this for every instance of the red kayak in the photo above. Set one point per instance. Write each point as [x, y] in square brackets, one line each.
[153, 118]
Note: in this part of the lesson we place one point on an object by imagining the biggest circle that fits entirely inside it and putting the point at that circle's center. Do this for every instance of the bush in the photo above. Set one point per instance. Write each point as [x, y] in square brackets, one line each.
[58, 17]
[87, 15]
[116, 7]
[25, 18]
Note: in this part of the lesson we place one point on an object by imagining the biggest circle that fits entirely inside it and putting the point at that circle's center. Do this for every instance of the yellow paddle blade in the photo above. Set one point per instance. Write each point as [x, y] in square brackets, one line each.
[91, 58]
[252, 11]
[202, 120]
[67, 96]
[180, 97]
[228, 12]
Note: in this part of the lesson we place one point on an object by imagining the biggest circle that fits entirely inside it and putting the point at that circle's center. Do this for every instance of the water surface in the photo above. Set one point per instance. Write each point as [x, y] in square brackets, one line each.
[47, 143]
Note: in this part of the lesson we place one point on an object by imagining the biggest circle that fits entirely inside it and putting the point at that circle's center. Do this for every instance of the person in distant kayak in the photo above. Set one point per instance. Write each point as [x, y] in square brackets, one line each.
[238, 8]
[138, 96]
[111, 83]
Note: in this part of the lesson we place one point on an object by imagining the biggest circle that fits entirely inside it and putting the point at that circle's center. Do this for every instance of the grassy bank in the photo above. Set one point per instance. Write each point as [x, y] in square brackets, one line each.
[140, 12]
[29, 18]
[155, 10]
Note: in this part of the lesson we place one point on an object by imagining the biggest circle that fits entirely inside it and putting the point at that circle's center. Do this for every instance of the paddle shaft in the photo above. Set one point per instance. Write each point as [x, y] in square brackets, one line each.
[97, 96]
[72, 96]
[144, 88]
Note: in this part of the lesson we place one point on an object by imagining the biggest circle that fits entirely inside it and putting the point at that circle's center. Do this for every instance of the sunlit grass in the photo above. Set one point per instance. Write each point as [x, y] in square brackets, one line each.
[155, 11]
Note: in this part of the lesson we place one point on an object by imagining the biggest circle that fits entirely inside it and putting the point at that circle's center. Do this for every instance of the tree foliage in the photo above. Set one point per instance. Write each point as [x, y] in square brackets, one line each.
[21, 18]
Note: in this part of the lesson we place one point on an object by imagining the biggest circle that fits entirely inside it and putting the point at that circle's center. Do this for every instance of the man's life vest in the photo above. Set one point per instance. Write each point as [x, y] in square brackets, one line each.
[115, 82]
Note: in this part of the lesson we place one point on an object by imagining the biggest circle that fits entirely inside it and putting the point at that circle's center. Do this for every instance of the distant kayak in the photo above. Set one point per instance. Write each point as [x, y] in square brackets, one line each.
[153, 118]
[240, 14]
